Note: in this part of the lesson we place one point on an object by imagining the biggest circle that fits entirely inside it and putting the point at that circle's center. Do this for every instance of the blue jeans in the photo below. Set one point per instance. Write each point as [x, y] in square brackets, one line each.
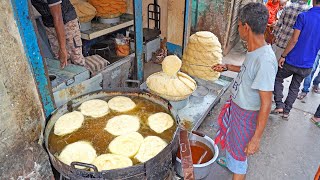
[308, 79]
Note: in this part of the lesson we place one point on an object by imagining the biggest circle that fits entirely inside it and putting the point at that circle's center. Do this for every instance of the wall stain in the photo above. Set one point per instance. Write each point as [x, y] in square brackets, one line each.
[21, 114]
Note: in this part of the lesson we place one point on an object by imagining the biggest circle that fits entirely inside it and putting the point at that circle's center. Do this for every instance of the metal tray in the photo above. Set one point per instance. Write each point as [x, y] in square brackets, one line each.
[193, 114]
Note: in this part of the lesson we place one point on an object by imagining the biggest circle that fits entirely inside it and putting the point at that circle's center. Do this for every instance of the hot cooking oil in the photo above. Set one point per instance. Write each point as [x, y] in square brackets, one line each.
[92, 129]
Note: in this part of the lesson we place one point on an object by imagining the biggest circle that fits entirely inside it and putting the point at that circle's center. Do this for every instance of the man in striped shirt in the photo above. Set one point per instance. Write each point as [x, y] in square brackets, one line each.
[283, 29]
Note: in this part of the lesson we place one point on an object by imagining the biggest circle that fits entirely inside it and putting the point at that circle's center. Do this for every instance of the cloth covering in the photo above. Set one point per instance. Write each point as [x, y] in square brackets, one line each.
[95, 64]
[283, 29]
[237, 126]
[269, 35]
[73, 40]
[306, 49]
[42, 6]
[273, 10]
[257, 73]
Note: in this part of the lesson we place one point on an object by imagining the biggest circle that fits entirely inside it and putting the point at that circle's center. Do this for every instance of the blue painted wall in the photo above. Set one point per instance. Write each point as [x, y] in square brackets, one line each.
[174, 49]
[31, 48]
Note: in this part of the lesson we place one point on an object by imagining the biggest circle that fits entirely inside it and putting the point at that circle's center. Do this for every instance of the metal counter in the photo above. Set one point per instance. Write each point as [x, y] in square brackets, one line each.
[195, 112]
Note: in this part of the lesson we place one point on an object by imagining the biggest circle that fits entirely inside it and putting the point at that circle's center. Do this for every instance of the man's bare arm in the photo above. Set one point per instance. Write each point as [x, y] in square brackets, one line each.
[293, 41]
[233, 68]
[266, 101]
[279, 24]
[56, 13]
[224, 67]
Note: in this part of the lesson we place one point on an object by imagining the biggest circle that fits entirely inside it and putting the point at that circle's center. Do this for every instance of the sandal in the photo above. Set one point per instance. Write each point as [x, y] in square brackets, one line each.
[222, 162]
[316, 89]
[285, 116]
[277, 111]
[317, 123]
[302, 95]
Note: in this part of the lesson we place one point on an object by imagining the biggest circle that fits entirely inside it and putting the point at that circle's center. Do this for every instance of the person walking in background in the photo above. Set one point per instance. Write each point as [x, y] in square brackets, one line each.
[283, 29]
[243, 118]
[308, 79]
[282, 4]
[316, 118]
[273, 8]
[298, 58]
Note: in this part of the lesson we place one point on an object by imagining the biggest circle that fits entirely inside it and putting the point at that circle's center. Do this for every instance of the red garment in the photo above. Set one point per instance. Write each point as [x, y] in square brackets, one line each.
[269, 35]
[237, 127]
[273, 10]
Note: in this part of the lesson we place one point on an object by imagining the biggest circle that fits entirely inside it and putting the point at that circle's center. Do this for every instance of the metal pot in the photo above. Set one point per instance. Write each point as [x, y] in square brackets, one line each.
[180, 104]
[200, 170]
[109, 20]
[156, 168]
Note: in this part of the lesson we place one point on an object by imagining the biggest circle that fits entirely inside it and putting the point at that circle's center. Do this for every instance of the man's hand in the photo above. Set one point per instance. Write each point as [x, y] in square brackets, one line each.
[281, 62]
[252, 147]
[220, 67]
[63, 57]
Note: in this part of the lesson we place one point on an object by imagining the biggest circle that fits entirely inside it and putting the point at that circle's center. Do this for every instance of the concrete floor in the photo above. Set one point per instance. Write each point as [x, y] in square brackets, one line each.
[290, 150]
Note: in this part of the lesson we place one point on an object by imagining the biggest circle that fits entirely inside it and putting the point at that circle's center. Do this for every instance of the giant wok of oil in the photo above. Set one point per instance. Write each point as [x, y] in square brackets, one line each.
[158, 167]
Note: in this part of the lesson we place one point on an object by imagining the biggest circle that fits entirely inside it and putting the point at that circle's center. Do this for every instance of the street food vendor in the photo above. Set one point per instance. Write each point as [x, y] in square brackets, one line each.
[244, 117]
[61, 24]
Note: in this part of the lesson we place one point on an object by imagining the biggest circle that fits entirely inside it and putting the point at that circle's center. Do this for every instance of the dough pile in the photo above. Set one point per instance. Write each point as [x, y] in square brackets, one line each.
[68, 123]
[111, 161]
[80, 151]
[85, 11]
[109, 8]
[94, 108]
[121, 104]
[123, 124]
[126, 145]
[160, 122]
[171, 65]
[150, 147]
[203, 48]
[170, 83]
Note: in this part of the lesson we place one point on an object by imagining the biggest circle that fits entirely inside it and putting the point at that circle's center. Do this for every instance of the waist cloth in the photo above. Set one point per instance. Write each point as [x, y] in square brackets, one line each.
[237, 126]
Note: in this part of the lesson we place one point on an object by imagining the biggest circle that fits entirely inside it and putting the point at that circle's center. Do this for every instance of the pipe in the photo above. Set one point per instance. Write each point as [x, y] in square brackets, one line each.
[138, 38]
[196, 15]
[186, 24]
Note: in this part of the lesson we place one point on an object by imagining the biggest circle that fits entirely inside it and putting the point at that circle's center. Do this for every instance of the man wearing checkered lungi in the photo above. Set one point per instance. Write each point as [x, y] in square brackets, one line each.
[244, 117]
